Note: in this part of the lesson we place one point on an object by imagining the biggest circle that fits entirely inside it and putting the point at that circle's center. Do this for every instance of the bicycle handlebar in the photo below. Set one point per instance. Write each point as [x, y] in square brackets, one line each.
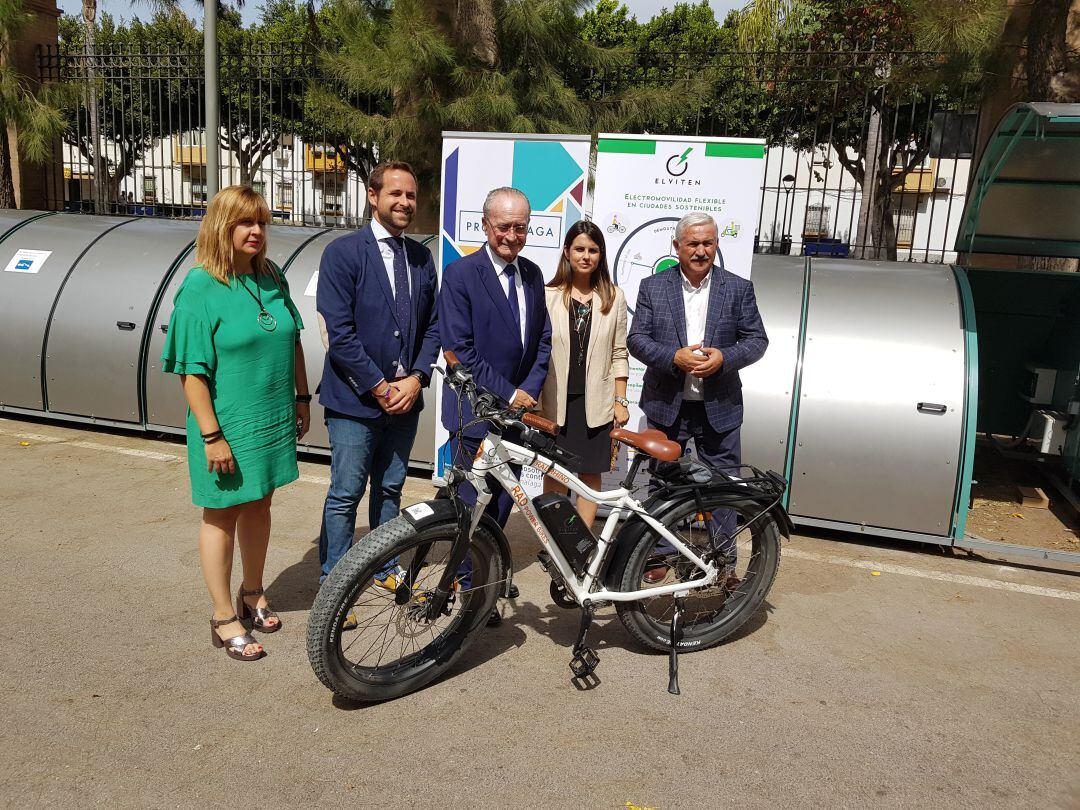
[540, 423]
[487, 405]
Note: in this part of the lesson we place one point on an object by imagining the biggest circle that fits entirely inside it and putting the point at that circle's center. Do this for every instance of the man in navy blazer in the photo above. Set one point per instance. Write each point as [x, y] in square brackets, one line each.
[376, 294]
[493, 316]
[695, 326]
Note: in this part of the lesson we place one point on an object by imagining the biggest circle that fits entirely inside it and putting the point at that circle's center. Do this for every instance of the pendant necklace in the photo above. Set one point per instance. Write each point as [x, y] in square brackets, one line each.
[582, 317]
[267, 321]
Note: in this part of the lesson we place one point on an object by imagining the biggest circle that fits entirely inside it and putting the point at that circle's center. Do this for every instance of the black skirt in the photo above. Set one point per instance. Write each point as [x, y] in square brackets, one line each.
[592, 446]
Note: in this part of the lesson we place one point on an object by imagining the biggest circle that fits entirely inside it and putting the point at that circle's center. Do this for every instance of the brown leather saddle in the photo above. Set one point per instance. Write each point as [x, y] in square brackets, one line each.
[651, 442]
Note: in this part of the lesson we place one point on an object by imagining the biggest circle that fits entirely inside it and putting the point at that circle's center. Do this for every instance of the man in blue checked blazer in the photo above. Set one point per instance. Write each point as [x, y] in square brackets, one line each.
[695, 326]
[376, 295]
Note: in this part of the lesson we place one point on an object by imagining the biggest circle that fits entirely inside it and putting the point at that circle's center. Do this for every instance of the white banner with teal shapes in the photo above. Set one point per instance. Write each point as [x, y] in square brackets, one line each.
[551, 170]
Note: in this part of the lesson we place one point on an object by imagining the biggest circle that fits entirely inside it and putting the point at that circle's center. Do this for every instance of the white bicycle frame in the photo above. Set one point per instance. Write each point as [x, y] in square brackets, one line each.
[495, 457]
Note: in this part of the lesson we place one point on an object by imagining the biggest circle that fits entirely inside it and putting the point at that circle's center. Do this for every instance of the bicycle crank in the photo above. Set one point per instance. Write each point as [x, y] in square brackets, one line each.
[585, 660]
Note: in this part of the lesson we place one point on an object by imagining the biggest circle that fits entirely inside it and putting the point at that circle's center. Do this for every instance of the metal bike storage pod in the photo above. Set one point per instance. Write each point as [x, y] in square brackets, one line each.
[1025, 201]
[768, 383]
[11, 220]
[303, 281]
[100, 326]
[27, 297]
[166, 409]
[881, 405]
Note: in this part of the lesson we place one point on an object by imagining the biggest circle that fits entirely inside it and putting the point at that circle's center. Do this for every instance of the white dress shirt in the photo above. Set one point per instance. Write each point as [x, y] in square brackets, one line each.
[696, 306]
[382, 236]
[387, 252]
[504, 282]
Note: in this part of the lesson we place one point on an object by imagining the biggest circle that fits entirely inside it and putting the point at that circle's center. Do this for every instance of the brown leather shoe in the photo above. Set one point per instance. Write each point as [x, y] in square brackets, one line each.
[656, 574]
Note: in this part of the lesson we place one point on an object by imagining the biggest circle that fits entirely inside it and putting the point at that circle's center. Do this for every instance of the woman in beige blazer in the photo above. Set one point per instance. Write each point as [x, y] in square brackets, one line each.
[585, 390]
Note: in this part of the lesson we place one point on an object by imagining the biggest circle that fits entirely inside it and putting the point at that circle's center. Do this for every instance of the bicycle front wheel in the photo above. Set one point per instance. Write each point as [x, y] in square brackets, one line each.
[714, 613]
[368, 641]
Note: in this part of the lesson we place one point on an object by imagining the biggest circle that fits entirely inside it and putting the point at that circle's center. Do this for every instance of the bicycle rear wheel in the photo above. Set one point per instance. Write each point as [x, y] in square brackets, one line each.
[714, 613]
[393, 649]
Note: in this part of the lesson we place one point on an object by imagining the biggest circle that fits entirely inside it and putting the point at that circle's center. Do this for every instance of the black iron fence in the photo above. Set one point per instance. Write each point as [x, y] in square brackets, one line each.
[869, 152]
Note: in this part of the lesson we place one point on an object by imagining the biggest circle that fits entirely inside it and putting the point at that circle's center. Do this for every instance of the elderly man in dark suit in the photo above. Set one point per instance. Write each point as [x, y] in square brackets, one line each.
[493, 316]
[376, 295]
[694, 327]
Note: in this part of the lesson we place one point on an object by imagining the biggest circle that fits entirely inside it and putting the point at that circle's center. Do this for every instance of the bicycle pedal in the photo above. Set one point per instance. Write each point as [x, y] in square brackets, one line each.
[584, 662]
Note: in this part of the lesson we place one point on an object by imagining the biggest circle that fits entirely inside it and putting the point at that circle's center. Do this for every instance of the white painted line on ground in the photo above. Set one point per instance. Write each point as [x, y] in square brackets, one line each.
[321, 480]
[798, 554]
[941, 576]
[107, 448]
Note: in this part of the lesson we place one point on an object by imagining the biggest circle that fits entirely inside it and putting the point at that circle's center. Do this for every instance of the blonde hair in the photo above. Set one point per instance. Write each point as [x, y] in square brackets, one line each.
[214, 247]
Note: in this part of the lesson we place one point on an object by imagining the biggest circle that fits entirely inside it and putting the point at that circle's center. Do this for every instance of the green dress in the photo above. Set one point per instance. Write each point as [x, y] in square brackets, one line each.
[215, 331]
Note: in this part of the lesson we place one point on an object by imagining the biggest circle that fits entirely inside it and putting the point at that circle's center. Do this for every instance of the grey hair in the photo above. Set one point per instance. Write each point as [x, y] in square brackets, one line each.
[693, 220]
[504, 191]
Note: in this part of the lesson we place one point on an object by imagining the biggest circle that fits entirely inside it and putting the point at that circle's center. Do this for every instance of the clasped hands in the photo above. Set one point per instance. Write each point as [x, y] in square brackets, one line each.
[699, 361]
[403, 394]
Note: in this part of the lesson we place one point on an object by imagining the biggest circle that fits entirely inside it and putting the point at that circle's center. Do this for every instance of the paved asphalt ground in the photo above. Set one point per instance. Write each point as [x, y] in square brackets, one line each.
[941, 682]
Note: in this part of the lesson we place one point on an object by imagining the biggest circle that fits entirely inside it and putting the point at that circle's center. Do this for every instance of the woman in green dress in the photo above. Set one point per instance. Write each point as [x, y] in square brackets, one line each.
[234, 339]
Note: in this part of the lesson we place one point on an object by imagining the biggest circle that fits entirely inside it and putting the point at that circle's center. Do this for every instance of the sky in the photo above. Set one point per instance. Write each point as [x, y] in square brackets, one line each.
[642, 9]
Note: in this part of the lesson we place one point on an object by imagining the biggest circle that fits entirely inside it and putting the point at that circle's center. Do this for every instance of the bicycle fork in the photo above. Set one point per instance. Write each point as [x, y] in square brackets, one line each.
[467, 521]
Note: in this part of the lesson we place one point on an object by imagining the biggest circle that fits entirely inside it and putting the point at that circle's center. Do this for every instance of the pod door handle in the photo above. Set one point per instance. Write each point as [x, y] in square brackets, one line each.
[125, 326]
[931, 407]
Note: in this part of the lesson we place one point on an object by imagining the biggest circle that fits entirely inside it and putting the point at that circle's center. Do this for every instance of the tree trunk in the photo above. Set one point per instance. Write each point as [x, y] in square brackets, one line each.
[98, 185]
[1046, 56]
[883, 229]
[1035, 60]
[475, 31]
[7, 182]
[864, 236]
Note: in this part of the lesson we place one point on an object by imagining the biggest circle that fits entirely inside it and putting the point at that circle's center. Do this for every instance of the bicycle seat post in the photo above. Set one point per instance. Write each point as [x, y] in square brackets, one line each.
[635, 465]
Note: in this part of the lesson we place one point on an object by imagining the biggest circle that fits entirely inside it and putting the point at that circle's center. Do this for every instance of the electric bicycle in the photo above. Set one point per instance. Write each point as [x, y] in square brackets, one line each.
[676, 584]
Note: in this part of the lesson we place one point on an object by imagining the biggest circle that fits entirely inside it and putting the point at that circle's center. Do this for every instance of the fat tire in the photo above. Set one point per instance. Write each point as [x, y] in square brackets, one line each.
[358, 566]
[766, 562]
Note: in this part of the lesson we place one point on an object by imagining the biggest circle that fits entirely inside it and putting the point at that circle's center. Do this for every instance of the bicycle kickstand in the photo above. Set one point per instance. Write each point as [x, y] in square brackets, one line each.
[676, 637]
[585, 660]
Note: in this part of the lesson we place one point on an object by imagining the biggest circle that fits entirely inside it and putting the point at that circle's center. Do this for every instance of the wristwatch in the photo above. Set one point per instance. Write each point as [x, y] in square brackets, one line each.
[623, 401]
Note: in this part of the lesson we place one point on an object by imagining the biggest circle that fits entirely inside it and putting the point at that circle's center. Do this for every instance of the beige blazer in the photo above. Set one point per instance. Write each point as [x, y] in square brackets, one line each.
[605, 359]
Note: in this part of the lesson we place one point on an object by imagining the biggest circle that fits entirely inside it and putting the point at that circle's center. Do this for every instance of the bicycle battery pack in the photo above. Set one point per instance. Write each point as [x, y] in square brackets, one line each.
[574, 539]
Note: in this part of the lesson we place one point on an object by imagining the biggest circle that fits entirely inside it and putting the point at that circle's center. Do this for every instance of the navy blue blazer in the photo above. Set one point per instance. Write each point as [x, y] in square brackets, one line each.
[476, 324]
[733, 325]
[355, 301]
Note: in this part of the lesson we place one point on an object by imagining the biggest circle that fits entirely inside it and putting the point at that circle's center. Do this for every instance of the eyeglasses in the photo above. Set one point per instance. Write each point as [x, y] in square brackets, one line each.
[505, 228]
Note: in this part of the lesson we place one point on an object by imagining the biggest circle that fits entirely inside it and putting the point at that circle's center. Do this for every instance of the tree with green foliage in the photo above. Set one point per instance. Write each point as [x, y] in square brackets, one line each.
[685, 63]
[143, 86]
[403, 75]
[895, 63]
[34, 114]
[266, 70]
[609, 24]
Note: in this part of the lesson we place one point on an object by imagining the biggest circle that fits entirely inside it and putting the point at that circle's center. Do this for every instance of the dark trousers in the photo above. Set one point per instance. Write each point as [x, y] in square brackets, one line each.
[719, 451]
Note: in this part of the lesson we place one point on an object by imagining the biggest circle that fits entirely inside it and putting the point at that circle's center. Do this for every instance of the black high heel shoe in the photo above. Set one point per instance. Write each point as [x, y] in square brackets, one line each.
[234, 647]
[258, 616]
